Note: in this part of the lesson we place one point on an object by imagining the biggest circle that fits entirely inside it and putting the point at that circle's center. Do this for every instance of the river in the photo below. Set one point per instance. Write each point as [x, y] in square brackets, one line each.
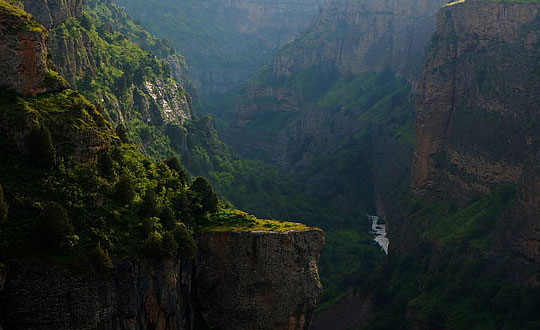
[379, 230]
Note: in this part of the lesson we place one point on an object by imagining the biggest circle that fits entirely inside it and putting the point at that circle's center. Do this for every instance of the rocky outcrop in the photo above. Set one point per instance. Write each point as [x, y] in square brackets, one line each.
[81, 57]
[52, 13]
[239, 280]
[23, 54]
[259, 280]
[477, 118]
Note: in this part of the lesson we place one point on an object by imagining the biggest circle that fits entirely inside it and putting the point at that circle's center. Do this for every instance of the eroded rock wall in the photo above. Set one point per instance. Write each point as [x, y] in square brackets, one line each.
[364, 36]
[478, 115]
[259, 280]
[23, 54]
[239, 280]
[136, 295]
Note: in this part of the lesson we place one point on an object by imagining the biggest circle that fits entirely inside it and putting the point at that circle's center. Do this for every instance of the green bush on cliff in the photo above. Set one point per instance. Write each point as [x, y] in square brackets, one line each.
[53, 228]
[3, 207]
[124, 190]
[40, 147]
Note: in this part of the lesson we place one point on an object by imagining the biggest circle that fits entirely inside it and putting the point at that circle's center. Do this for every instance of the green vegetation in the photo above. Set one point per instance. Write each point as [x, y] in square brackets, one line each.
[25, 22]
[83, 208]
[453, 279]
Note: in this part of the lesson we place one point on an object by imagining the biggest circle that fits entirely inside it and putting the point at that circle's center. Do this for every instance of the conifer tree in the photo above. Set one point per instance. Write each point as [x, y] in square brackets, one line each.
[125, 192]
[41, 150]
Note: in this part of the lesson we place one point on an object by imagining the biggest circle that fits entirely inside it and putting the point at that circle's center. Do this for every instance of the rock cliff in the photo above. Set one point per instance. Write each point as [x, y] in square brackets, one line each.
[239, 280]
[23, 54]
[137, 295]
[259, 280]
[85, 59]
[358, 36]
[477, 119]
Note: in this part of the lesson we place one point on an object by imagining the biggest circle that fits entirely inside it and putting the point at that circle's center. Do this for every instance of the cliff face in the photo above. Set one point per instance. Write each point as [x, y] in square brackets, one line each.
[23, 54]
[274, 22]
[358, 36]
[53, 13]
[259, 280]
[477, 119]
[138, 295]
[84, 57]
[346, 38]
[244, 280]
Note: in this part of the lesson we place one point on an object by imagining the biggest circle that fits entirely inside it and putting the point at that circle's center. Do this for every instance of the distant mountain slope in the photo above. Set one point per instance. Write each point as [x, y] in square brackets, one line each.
[224, 42]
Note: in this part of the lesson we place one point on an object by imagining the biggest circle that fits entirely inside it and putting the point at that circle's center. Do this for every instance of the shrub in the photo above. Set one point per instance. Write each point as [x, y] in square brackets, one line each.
[124, 190]
[167, 218]
[40, 147]
[169, 245]
[3, 207]
[54, 229]
[149, 204]
[100, 257]
[209, 200]
[186, 242]
[152, 245]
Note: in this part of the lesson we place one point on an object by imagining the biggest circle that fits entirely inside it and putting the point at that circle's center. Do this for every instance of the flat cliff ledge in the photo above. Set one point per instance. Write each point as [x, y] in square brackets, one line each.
[259, 280]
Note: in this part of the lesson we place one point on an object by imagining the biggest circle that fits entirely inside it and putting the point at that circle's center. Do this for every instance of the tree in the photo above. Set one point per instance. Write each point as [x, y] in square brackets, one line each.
[186, 242]
[122, 133]
[152, 245]
[41, 150]
[4, 208]
[174, 164]
[54, 227]
[124, 190]
[149, 204]
[100, 257]
[169, 245]
[209, 200]
[106, 165]
[167, 218]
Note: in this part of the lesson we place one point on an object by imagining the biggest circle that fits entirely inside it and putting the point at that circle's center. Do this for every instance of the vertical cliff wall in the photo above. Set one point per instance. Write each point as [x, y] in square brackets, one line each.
[23, 53]
[136, 295]
[259, 280]
[242, 280]
[358, 36]
[477, 119]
